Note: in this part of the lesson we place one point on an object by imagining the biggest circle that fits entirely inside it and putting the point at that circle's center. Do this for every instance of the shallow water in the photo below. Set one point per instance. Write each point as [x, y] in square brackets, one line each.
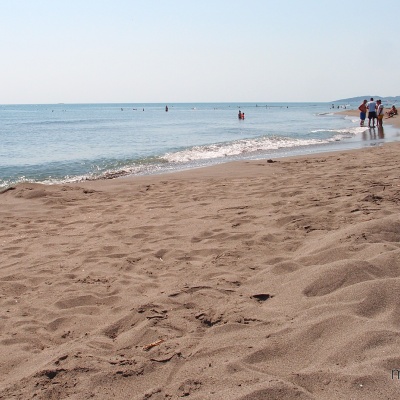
[64, 143]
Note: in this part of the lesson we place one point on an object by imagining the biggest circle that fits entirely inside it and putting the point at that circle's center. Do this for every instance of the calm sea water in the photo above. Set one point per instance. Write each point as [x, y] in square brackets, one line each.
[66, 143]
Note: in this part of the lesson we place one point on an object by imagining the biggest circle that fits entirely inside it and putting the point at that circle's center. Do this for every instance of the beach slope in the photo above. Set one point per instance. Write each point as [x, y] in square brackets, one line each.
[249, 280]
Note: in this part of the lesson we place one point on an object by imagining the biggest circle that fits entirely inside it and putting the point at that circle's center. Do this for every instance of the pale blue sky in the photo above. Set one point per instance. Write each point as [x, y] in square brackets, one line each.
[86, 51]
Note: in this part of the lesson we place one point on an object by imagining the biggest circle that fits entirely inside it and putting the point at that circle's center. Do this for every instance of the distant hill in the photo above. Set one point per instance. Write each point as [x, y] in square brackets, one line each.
[385, 99]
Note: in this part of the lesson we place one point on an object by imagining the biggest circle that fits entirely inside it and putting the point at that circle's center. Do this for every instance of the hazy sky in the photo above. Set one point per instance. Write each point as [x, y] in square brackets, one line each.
[86, 51]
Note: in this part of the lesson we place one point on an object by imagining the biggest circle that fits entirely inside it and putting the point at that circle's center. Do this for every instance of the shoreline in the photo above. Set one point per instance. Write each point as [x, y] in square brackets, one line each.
[252, 278]
[297, 153]
[337, 138]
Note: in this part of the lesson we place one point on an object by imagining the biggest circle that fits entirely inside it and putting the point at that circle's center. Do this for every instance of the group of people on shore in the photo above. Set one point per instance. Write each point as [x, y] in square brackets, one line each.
[376, 112]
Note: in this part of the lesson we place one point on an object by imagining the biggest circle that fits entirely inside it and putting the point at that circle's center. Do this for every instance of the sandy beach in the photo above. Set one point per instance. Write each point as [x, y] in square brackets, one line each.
[274, 279]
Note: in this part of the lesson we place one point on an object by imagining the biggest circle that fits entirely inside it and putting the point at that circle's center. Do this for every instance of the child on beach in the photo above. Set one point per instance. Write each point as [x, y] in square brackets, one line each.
[392, 112]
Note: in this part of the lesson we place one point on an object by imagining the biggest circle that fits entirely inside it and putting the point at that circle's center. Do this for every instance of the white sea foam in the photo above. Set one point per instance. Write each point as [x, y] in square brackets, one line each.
[351, 118]
[236, 148]
[355, 130]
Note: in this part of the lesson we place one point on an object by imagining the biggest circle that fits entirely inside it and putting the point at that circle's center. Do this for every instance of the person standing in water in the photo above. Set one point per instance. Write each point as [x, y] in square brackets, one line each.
[380, 112]
[371, 112]
[166, 108]
[363, 112]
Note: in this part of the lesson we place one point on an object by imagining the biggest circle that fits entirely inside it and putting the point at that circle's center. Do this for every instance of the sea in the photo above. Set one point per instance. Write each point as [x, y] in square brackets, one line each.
[64, 143]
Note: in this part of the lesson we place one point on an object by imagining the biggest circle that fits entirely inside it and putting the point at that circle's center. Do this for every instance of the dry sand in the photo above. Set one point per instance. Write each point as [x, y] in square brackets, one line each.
[250, 280]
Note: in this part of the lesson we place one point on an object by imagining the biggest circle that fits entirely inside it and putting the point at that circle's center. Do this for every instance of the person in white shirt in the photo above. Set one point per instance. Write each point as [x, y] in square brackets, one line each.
[371, 112]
